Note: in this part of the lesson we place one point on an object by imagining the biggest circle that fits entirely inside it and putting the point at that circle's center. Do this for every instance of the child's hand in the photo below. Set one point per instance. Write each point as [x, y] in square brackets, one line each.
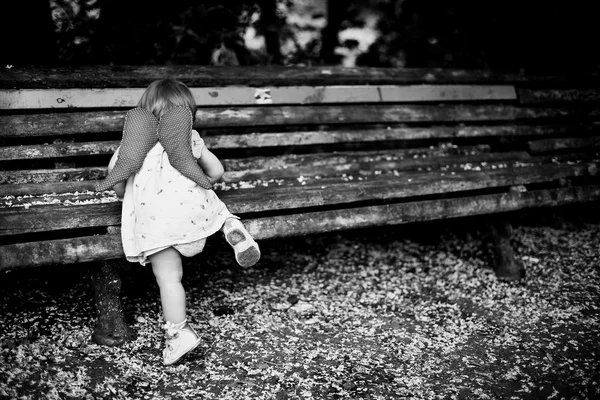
[119, 189]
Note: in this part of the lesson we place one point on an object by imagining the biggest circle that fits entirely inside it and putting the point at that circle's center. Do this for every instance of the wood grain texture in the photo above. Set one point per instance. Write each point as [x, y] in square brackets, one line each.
[394, 214]
[82, 123]
[300, 194]
[305, 138]
[82, 249]
[566, 143]
[101, 76]
[243, 95]
[45, 181]
[569, 95]
[260, 167]
[59, 150]
[301, 138]
[51, 175]
[310, 165]
[513, 130]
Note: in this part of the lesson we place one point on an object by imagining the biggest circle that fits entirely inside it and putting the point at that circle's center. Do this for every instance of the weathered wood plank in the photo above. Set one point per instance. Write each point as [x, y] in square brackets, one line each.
[100, 76]
[549, 145]
[265, 139]
[448, 158]
[258, 140]
[51, 175]
[61, 251]
[79, 123]
[303, 138]
[320, 192]
[60, 150]
[258, 167]
[66, 251]
[312, 193]
[395, 214]
[368, 163]
[320, 165]
[252, 116]
[45, 188]
[40, 219]
[82, 123]
[265, 165]
[529, 96]
[243, 95]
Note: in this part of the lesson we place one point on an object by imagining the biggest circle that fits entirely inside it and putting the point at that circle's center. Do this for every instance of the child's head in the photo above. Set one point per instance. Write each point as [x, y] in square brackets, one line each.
[164, 94]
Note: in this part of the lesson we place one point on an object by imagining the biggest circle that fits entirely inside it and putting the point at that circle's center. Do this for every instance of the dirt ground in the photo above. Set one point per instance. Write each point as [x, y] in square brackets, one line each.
[411, 312]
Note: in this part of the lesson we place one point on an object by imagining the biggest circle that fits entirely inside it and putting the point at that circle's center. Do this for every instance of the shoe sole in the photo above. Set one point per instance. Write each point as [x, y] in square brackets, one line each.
[186, 353]
[247, 257]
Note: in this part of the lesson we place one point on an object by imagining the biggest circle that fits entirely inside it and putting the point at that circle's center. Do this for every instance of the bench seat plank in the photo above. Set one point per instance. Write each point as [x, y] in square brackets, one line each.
[276, 168]
[304, 194]
[393, 214]
[79, 123]
[89, 173]
[51, 175]
[294, 166]
[82, 249]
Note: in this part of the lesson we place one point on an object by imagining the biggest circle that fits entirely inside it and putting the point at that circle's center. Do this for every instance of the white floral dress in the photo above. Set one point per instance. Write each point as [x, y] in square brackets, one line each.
[162, 208]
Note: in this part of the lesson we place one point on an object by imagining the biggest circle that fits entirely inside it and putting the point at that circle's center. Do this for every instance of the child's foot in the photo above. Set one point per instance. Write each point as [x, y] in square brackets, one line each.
[181, 339]
[245, 248]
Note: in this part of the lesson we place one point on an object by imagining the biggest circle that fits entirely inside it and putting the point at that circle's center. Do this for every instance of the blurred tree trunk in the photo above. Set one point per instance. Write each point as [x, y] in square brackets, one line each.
[330, 32]
[27, 33]
[270, 27]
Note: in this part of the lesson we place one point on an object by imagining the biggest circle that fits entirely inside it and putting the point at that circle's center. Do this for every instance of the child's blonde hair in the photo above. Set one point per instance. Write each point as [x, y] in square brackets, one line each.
[163, 94]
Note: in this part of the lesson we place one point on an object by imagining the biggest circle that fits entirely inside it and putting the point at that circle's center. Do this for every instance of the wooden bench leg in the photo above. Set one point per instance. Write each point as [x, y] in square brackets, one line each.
[111, 328]
[507, 267]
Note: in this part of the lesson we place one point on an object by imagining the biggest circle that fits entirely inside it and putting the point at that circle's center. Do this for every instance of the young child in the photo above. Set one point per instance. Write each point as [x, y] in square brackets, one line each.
[164, 173]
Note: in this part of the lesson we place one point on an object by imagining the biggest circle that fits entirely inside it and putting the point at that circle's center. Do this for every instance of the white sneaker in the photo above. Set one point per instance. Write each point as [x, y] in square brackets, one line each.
[180, 341]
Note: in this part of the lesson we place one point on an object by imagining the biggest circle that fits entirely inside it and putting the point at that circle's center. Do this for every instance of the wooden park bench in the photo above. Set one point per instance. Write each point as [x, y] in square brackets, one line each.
[306, 150]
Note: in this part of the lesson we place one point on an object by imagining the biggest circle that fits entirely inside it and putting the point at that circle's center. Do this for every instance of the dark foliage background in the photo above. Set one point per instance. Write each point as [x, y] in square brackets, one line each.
[508, 35]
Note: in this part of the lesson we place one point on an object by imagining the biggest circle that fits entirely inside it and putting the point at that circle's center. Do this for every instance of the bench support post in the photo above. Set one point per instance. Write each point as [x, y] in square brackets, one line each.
[507, 268]
[111, 328]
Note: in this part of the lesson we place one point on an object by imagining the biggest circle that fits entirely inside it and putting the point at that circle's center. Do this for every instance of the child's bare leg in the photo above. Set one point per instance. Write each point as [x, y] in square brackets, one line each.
[180, 336]
[247, 252]
[168, 271]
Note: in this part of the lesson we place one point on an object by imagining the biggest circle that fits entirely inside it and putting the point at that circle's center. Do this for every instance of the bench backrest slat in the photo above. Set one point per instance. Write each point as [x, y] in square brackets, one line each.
[101, 76]
[238, 96]
[303, 138]
[80, 123]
